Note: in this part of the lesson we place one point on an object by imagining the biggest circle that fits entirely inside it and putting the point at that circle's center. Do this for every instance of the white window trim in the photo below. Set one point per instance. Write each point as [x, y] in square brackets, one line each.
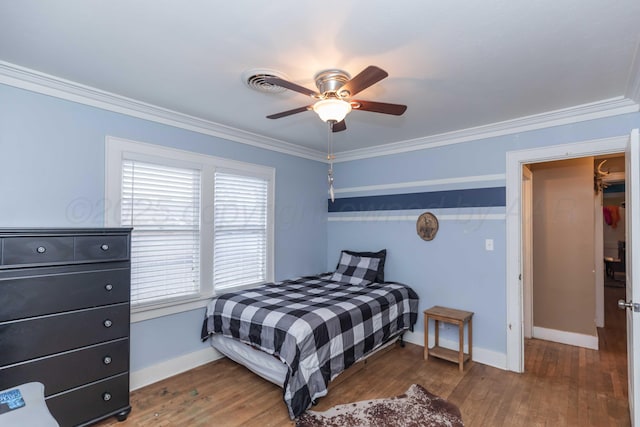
[117, 149]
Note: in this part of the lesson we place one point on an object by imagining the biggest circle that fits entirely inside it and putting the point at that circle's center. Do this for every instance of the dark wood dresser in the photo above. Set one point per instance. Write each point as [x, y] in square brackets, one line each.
[64, 318]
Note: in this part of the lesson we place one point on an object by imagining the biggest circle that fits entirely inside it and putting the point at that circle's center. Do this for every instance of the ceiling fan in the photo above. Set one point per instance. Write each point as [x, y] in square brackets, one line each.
[335, 89]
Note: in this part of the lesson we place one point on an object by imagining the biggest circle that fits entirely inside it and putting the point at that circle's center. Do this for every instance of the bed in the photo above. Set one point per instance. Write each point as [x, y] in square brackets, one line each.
[309, 329]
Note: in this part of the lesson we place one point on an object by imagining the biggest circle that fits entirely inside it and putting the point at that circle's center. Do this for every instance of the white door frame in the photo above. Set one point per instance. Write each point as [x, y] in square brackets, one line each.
[527, 250]
[515, 160]
[599, 256]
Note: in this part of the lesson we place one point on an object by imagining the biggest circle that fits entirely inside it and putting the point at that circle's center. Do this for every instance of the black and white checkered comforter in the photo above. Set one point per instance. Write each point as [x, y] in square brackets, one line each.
[316, 326]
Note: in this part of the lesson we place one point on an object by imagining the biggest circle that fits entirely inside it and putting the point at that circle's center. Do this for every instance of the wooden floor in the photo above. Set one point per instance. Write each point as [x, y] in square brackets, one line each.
[562, 386]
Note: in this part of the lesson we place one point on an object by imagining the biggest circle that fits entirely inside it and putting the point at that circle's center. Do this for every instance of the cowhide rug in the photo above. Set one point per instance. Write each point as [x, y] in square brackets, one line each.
[415, 408]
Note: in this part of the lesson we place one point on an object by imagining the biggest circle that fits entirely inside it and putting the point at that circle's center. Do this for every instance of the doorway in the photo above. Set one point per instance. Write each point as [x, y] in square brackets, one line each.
[630, 146]
[515, 161]
[558, 264]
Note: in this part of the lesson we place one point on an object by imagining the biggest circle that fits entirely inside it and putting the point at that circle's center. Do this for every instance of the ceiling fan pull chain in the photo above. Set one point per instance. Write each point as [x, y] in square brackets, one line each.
[330, 158]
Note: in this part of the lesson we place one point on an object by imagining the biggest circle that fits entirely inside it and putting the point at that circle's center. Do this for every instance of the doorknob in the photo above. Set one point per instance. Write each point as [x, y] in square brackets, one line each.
[622, 304]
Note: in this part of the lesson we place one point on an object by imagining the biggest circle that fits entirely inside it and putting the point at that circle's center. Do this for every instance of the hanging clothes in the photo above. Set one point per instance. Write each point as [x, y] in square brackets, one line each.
[606, 213]
[615, 216]
[611, 214]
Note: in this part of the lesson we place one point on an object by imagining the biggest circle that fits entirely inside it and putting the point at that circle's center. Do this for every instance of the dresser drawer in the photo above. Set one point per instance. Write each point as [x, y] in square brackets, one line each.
[101, 248]
[22, 297]
[92, 402]
[36, 250]
[88, 365]
[40, 336]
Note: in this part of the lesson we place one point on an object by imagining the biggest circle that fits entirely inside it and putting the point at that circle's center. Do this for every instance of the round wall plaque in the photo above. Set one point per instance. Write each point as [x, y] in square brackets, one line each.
[427, 226]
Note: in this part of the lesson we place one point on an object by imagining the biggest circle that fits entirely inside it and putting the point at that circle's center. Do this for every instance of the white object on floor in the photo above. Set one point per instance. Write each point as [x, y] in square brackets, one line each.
[34, 413]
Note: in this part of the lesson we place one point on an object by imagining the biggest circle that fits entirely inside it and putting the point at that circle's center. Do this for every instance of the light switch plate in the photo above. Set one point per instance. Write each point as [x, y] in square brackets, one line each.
[488, 244]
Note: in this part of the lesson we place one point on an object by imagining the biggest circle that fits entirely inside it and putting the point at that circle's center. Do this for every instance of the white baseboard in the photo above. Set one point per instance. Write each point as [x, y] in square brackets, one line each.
[564, 337]
[480, 355]
[175, 366]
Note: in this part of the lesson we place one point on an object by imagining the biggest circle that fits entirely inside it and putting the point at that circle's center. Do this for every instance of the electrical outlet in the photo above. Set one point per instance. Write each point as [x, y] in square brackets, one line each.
[488, 244]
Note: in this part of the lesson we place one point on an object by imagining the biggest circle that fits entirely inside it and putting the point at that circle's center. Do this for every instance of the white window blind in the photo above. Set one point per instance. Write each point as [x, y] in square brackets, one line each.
[162, 204]
[240, 230]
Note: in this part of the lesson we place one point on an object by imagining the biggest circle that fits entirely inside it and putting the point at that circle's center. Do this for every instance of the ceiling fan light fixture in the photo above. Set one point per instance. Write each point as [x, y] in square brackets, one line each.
[332, 109]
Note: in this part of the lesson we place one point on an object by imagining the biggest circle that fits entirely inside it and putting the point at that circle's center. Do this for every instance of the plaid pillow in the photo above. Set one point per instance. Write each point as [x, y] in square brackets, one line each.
[356, 270]
[382, 255]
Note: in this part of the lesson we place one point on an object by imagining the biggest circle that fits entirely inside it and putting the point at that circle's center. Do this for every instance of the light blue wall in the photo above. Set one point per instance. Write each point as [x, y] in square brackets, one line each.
[52, 175]
[454, 269]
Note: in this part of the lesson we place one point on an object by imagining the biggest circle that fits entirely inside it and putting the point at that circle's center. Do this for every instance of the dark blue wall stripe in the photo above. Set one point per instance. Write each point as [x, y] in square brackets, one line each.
[615, 188]
[470, 198]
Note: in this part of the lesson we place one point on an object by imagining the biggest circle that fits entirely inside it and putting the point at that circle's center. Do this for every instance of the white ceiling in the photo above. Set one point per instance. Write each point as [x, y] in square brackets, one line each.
[456, 64]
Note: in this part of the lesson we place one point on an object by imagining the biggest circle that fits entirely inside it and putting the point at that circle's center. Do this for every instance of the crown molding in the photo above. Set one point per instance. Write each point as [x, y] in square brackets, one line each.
[633, 84]
[579, 113]
[35, 81]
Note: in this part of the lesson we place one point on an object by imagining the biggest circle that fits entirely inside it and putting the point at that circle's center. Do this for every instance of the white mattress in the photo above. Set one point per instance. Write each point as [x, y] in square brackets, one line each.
[261, 363]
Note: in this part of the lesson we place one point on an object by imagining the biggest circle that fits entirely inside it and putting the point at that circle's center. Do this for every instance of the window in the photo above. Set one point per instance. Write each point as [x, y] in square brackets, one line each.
[201, 225]
[162, 204]
[240, 230]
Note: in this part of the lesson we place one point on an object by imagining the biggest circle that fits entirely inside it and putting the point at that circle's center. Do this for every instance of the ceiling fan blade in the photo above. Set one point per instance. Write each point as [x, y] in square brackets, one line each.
[289, 85]
[289, 112]
[379, 107]
[339, 127]
[366, 78]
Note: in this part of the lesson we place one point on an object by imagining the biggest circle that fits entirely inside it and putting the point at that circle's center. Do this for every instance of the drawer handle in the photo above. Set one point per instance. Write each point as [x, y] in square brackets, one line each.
[104, 247]
[106, 396]
[106, 360]
[107, 323]
[108, 287]
[41, 249]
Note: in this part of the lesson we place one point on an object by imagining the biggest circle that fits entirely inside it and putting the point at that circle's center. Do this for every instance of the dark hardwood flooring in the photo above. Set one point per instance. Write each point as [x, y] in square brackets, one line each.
[562, 386]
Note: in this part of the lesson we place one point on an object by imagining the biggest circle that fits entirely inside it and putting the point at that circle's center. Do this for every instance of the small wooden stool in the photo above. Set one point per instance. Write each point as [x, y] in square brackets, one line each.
[448, 315]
